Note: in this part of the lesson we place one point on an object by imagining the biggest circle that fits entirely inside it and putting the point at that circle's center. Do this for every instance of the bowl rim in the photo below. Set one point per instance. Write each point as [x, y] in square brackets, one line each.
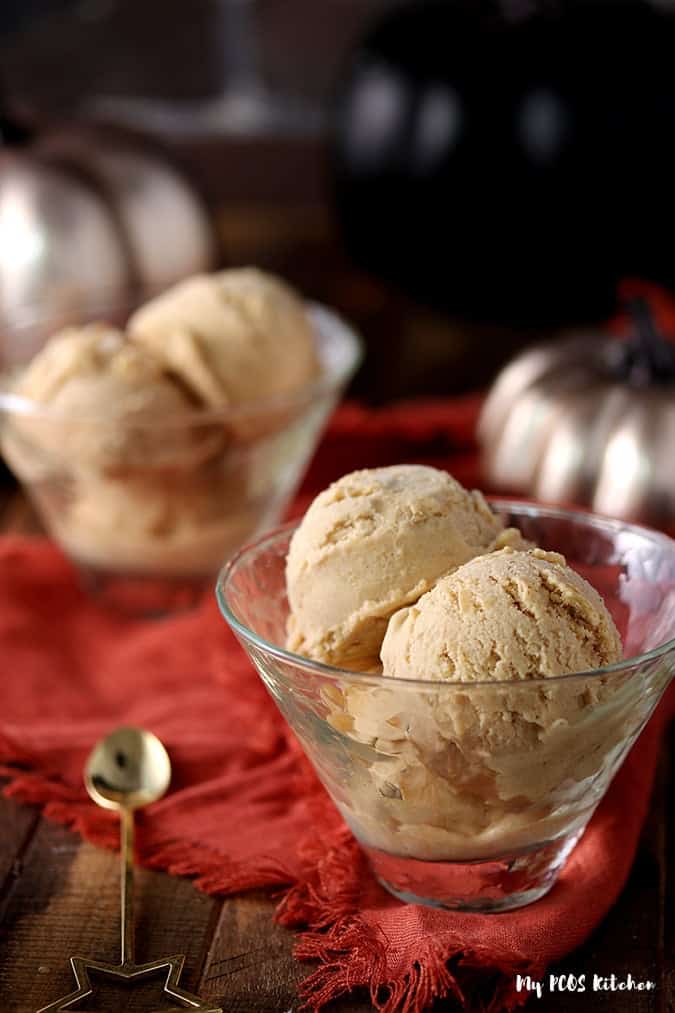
[326, 321]
[332, 672]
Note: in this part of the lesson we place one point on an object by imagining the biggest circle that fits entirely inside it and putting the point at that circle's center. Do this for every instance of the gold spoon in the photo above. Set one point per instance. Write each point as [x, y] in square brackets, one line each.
[127, 770]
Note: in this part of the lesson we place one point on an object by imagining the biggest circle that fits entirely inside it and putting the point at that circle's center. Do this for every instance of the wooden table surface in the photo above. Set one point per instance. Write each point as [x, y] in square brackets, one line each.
[59, 896]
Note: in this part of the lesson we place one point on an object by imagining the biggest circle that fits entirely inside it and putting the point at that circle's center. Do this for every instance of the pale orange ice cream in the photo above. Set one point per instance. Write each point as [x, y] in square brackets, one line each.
[173, 526]
[139, 485]
[234, 337]
[372, 542]
[88, 376]
[140, 458]
[494, 761]
[512, 615]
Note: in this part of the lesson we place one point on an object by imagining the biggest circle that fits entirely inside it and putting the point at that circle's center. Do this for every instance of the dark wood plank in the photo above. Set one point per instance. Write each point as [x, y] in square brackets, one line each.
[250, 965]
[66, 902]
[17, 825]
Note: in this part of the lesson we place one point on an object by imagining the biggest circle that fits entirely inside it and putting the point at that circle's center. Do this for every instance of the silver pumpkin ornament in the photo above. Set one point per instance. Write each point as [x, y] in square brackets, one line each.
[164, 226]
[589, 420]
[60, 249]
[88, 223]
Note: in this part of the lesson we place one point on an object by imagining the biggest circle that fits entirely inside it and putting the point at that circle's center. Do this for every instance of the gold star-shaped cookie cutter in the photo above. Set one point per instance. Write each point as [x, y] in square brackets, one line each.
[128, 769]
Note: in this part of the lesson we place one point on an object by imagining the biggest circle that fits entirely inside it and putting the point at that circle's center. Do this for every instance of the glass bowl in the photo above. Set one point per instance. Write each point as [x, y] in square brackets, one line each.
[471, 796]
[176, 495]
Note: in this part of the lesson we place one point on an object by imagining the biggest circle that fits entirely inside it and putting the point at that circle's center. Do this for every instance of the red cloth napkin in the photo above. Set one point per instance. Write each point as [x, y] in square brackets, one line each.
[245, 809]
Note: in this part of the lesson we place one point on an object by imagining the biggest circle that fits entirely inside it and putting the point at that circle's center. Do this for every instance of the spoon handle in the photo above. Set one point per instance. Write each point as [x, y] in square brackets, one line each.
[127, 884]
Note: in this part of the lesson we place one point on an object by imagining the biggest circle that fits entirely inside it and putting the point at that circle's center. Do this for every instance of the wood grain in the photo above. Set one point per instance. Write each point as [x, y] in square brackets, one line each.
[17, 825]
[249, 964]
[66, 902]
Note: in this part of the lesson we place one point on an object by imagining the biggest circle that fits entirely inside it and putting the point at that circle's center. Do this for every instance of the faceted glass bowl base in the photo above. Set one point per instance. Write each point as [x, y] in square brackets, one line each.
[490, 886]
[139, 596]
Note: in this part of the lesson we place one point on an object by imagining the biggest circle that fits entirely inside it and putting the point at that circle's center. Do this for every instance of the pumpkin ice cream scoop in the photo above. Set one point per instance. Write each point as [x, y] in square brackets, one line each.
[506, 753]
[85, 376]
[233, 337]
[100, 420]
[372, 542]
[512, 615]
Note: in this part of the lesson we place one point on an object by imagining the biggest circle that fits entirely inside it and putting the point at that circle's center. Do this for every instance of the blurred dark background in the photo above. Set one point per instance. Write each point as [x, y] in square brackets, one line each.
[60, 52]
[471, 177]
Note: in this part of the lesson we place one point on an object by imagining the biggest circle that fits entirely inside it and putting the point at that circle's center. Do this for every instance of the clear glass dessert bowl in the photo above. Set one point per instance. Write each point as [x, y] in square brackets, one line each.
[472, 795]
[148, 508]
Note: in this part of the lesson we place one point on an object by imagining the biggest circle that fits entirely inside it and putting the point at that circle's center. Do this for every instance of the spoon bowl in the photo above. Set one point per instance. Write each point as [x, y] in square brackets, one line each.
[128, 769]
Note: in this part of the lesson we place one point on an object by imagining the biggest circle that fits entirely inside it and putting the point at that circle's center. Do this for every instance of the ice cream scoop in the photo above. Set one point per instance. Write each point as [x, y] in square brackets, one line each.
[103, 397]
[234, 337]
[468, 773]
[168, 525]
[372, 542]
[511, 615]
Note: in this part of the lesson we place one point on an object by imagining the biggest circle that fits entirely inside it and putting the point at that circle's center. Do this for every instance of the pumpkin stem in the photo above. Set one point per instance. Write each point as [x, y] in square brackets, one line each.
[649, 356]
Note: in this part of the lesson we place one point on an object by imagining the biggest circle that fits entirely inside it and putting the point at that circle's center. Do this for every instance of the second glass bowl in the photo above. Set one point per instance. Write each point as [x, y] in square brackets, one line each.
[189, 489]
[472, 795]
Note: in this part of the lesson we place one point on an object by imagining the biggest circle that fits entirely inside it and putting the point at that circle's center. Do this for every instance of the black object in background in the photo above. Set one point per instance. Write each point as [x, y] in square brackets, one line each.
[17, 14]
[508, 166]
